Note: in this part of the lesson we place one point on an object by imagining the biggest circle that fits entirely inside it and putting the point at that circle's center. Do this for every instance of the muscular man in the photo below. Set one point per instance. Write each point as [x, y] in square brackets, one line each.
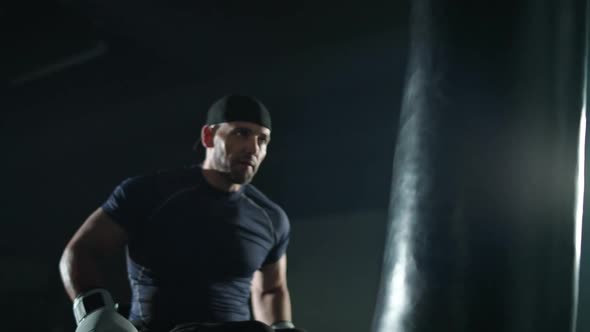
[203, 244]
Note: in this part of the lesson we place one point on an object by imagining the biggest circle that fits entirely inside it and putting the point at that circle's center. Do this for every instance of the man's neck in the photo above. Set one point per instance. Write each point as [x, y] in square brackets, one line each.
[219, 180]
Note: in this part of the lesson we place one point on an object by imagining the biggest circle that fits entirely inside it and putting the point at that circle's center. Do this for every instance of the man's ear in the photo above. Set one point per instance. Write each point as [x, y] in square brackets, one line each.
[207, 135]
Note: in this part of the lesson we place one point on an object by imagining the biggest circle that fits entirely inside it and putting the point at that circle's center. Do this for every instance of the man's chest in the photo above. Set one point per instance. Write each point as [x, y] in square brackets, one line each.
[212, 237]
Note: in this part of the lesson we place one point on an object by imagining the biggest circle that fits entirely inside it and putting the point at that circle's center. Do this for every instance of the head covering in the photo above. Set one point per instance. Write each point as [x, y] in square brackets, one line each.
[238, 108]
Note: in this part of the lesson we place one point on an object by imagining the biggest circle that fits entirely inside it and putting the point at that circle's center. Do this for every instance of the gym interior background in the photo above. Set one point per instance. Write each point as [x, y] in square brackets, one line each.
[96, 91]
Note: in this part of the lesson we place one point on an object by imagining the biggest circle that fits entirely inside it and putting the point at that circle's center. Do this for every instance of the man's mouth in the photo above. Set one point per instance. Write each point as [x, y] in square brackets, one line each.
[247, 163]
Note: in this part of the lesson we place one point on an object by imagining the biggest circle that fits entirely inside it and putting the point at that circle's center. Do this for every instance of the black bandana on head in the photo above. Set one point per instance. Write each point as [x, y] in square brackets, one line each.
[238, 108]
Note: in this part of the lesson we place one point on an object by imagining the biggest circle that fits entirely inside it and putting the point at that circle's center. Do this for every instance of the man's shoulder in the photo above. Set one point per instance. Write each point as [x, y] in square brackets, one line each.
[256, 194]
[163, 180]
[279, 219]
[261, 199]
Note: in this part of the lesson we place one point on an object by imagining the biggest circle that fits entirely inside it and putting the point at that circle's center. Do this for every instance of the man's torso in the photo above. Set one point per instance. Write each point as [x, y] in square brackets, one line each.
[193, 249]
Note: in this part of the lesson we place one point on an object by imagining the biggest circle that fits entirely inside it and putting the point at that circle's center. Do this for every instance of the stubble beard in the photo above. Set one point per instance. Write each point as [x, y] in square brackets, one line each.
[238, 177]
[232, 172]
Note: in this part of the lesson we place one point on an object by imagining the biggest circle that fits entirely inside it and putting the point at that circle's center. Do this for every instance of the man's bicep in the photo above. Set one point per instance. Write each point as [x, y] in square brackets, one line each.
[273, 275]
[100, 234]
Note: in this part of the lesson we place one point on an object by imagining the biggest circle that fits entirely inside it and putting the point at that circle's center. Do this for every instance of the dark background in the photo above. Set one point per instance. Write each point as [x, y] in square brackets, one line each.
[95, 91]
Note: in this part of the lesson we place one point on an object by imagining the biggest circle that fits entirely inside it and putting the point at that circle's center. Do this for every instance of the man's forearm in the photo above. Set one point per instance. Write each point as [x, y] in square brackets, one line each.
[272, 306]
[79, 272]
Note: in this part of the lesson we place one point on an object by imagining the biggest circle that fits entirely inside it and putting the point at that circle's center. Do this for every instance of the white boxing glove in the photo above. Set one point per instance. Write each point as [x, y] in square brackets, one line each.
[284, 324]
[95, 312]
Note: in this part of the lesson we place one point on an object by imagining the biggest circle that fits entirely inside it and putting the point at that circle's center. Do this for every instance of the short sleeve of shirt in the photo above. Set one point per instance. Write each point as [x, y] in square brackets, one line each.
[282, 228]
[131, 201]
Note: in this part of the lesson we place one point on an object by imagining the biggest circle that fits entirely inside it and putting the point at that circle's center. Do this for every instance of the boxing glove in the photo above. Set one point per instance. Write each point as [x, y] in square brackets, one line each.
[95, 312]
[284, 324]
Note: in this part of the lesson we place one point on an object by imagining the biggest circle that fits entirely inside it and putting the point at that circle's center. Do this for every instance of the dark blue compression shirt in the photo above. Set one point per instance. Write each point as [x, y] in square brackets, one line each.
[192, 249]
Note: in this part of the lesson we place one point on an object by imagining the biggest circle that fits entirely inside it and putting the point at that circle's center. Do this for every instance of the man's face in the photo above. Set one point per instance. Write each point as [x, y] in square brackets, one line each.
[239, 148]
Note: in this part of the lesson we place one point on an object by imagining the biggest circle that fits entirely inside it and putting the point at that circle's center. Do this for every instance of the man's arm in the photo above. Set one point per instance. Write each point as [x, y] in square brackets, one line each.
[270, 296]
[99, 237]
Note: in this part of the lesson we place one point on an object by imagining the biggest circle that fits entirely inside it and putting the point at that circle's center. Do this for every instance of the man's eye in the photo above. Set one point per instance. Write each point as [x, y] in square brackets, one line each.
[241, 132]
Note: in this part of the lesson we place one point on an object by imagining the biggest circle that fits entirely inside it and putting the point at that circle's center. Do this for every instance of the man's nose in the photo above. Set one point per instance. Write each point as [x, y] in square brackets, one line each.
[252, 145]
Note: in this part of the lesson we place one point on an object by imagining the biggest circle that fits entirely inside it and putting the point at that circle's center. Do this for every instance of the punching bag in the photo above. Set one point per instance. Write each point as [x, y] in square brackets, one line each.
[482, 218]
